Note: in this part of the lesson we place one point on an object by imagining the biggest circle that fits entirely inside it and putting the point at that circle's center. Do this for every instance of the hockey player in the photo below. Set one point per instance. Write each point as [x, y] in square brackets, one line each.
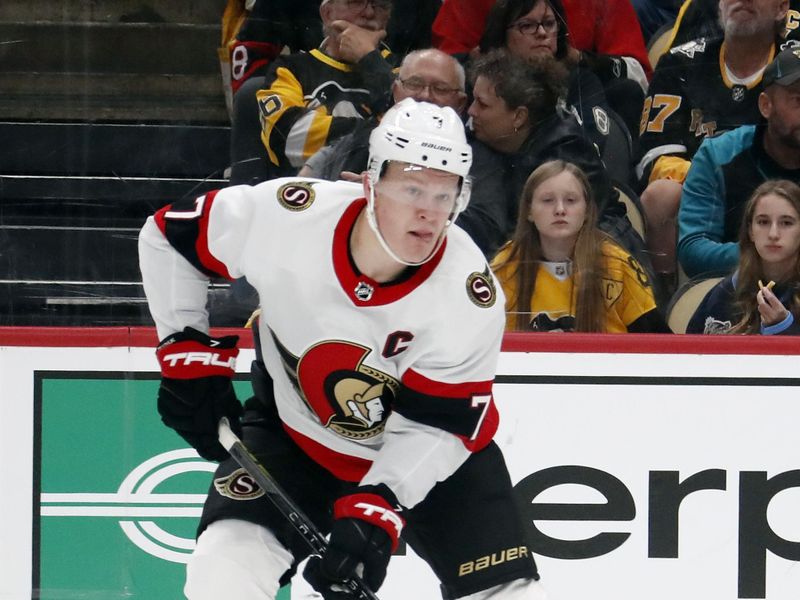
[369, 297]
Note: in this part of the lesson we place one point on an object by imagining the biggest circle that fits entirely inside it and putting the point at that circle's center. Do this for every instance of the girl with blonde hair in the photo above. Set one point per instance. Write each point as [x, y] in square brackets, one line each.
[560, 272]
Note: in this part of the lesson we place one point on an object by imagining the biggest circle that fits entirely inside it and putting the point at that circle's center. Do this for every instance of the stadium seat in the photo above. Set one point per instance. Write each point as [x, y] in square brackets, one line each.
[72, 199]
[659, 43]
[633, 208]
[686, 300]
[618, 151]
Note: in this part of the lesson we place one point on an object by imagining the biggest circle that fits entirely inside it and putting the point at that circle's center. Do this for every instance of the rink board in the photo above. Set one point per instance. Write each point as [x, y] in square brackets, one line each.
[660, 472]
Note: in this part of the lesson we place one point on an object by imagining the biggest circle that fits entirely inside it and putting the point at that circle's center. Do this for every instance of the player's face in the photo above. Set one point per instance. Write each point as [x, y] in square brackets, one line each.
[775, 232]
[558, 209]
[749, 17]
[412, 206]
[534, 34]
[782, 107]
[492, 119]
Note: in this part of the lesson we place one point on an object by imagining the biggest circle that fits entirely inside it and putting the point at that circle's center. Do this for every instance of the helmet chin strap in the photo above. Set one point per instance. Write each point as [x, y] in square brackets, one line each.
[373, 224]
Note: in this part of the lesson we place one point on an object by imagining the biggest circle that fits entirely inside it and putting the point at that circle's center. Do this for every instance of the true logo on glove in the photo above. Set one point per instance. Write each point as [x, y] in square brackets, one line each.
[209, 359]
[384, 515]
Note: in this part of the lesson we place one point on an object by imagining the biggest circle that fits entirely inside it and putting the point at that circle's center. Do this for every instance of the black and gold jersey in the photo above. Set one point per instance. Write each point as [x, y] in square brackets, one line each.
[626, 291]
[692, 97]
[310, 99]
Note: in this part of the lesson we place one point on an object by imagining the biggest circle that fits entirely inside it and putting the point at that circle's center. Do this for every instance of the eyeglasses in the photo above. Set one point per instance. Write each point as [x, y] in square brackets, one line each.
[526, 27]
[360, 5]
[415, 85]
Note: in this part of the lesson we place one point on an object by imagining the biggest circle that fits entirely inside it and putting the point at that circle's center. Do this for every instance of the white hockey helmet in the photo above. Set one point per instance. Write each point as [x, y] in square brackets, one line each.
[425, 135]
[420, 133]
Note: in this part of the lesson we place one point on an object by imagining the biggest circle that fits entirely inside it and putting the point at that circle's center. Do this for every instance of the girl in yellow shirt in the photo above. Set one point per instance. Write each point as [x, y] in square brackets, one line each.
[559, 272]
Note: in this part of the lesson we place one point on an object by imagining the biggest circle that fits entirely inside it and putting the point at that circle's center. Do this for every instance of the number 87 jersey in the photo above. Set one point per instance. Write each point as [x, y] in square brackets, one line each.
[378, 383]
[692, 96]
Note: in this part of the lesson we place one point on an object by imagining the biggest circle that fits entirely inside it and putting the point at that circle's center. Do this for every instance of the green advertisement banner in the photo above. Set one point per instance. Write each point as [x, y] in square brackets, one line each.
[119, 494]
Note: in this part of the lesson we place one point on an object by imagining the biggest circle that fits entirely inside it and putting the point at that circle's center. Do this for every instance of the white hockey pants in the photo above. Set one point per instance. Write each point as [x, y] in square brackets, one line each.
[241, 560]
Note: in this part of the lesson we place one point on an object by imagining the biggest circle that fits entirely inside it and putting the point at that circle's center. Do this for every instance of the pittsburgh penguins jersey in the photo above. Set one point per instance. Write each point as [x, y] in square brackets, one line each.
[691, 97]
[310, 99]
[625, 287]
[378, 383]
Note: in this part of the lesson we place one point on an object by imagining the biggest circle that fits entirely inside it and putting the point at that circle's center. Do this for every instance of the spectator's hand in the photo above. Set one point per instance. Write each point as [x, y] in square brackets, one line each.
[771, 309]
[355, 42]
[350, 176]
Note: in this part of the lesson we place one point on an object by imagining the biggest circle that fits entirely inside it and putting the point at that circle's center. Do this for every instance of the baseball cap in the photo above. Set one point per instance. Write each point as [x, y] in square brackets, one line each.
[784, 69]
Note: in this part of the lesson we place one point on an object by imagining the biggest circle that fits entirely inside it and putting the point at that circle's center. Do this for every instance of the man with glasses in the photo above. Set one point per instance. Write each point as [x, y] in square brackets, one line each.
[425, 75]
[309, 99]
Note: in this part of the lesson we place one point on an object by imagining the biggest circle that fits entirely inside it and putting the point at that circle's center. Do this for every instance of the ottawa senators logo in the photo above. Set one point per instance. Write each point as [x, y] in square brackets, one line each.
[296, 196]
[238, 486]
[480, 289]
[349, 397]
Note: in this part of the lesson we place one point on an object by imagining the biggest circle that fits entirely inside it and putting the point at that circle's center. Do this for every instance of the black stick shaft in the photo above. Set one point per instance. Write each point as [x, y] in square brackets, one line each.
[288, 508]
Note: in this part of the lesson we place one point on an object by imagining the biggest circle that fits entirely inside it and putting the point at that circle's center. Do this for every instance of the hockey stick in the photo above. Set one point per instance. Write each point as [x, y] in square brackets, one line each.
[312, 536]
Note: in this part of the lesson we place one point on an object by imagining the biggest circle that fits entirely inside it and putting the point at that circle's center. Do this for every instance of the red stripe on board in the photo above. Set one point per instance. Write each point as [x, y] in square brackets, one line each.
[589, 343]
[650, 343]
[100, 337]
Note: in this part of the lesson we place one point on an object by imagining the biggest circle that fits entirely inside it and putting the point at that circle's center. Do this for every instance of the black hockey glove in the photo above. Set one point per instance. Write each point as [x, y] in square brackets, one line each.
[365, 532]
[196, 389]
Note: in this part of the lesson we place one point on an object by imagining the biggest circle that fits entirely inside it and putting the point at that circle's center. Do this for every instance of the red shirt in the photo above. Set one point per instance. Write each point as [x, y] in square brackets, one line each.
[602, 26]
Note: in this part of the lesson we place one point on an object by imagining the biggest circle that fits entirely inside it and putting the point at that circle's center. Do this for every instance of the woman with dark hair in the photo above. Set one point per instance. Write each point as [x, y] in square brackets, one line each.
[532, 28]
[769, 255]
[561, 273]
[519, 122]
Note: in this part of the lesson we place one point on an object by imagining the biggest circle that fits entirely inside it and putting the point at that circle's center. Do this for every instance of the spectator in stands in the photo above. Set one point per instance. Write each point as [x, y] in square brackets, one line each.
[542, 31]
[727, 168]
[561, 273]
[769, 238]
[427, 75]
[604, 36]
[698, 18]
[699, 89]
[519, 122]
[309, 99]
[259, 29]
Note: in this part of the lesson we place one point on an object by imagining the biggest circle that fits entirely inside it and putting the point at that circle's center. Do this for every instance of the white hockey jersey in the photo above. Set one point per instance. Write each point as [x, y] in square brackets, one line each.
[378, 383]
